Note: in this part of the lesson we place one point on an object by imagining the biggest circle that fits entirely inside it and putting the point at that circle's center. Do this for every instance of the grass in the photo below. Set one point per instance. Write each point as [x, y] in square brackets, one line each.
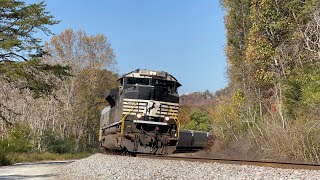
[4, 160]
[12, 158]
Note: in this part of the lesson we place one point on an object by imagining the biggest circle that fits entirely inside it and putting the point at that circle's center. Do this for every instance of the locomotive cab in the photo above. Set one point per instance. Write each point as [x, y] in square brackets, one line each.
[150, 88]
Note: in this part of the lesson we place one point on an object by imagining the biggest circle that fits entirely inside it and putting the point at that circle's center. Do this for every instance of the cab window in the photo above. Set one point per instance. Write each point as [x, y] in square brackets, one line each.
[163, 83]
[171, 85]
[139, 81]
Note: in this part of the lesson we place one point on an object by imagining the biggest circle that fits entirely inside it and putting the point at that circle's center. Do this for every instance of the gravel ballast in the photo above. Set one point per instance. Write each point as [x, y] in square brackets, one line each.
[101, 166]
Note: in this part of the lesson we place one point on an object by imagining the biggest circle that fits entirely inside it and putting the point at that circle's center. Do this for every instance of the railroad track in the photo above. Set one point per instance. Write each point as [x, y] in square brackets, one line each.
[274, 164]
[284, 165]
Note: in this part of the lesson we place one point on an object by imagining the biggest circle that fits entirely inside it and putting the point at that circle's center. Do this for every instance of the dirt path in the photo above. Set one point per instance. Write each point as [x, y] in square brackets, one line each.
[37, 170]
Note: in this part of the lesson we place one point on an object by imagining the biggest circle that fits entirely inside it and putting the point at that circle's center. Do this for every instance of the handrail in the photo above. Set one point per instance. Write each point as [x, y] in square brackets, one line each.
[175, 118]
[124, 118]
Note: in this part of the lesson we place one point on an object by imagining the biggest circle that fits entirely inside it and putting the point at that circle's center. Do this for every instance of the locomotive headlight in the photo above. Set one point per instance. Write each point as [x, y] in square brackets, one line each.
[139, 115]
[167, 118]
[152, 73]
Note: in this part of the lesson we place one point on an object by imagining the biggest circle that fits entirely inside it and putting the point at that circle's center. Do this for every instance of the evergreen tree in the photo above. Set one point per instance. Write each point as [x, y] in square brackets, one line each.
[18, 25]
[21, 50]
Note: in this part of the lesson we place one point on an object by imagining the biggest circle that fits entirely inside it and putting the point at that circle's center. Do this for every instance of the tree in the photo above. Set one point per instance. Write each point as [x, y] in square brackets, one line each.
[21, 51]
[93, 72]
[18, 25]
[199, 120]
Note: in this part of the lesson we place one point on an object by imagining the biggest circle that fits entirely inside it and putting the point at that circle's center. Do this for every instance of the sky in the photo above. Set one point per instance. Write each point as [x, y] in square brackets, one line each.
[183, 37]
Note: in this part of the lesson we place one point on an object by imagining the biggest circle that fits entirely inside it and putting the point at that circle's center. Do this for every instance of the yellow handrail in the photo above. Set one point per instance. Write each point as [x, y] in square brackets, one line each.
[100, 135]
[175, 118]
[124, 118]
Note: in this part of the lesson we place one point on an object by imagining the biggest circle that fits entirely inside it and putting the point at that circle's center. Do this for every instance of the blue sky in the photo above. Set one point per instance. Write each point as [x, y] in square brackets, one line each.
[183, 37]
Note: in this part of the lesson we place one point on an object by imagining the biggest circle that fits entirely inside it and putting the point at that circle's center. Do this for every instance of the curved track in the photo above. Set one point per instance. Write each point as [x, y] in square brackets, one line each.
[274, 164]
[284, 165]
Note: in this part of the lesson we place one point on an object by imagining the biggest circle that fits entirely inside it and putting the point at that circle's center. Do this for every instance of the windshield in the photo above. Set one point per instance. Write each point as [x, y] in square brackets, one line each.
[151, 89]
[139, 81]
[163, 83]
[171, 85]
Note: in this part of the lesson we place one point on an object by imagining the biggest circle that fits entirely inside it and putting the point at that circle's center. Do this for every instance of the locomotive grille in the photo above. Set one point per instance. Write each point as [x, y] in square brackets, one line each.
[139, 106]
[160, 109]
[168, 109]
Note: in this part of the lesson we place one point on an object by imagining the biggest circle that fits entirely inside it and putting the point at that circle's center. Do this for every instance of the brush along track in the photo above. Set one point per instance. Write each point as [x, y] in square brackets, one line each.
[284, 165]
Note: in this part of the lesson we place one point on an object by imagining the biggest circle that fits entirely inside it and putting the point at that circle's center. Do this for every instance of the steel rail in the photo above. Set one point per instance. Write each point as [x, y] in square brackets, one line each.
[273, 164]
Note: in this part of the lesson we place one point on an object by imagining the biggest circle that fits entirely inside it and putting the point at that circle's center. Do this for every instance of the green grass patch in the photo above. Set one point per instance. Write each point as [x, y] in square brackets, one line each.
[12, 158]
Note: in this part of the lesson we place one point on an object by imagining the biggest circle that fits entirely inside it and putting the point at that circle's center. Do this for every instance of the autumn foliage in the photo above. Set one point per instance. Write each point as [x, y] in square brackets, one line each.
[271, 109]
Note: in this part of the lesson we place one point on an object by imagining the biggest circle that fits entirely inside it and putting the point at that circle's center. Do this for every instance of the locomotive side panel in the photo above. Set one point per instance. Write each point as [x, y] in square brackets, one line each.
[114, 98]
[105, 117]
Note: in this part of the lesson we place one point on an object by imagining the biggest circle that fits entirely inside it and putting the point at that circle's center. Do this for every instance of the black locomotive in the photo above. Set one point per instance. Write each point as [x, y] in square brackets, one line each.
[142, 116]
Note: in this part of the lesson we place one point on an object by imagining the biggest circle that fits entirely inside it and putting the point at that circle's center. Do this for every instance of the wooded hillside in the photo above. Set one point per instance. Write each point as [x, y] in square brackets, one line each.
[271, 106]
[51, 94]
[273, 53]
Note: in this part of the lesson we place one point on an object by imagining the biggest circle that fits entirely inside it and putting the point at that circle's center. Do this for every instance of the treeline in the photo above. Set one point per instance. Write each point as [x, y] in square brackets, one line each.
[194, 110]
[68, 119]
[272, 108]
[51, 94]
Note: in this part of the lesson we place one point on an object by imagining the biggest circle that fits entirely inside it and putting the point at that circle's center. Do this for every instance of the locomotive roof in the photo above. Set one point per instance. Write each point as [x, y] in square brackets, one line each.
[150, 74]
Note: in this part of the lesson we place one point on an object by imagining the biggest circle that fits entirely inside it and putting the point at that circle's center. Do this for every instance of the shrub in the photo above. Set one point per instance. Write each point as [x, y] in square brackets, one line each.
[55, 144]
[199, 120]
[4, 161]
[18, 139]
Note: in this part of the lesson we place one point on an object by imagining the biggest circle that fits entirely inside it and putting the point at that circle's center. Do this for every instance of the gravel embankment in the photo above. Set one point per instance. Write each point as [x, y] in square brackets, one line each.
[101, 166]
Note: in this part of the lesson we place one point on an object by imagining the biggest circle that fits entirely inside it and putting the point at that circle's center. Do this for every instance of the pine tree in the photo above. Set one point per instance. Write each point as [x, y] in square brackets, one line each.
[18, 25]
[21, 51]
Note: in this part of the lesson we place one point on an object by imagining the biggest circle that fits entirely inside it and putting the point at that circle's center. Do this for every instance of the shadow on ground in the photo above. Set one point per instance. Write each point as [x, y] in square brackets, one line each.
[34, 170]
[43, 163]
[42, 176]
